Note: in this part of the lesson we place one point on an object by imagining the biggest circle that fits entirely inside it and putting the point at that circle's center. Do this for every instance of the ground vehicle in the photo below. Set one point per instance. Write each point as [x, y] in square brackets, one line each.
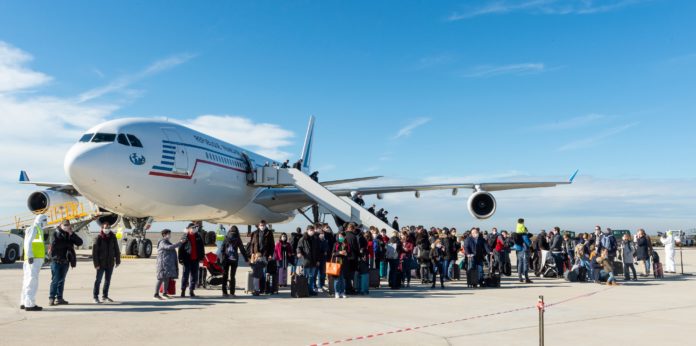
[619, 233]
[10, 247]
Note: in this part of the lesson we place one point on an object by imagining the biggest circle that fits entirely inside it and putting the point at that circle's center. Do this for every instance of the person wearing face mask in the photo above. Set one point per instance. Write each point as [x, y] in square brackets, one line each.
[476, 249]
[339, 254]
[62, 257]
[295, 240]
[34, 255]
[229, 254]
[437, 258]
[262, 242]
[283, 255]
[105, 255]
[324, 255]
[308, 252]
[190, 255]
[167, 268]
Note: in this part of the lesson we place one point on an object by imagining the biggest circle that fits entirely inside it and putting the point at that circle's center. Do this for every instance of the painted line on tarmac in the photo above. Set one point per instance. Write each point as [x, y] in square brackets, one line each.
[404, 330]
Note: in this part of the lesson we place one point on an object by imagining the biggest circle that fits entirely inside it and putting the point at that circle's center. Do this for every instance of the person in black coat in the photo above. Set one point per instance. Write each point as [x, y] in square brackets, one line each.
[190, 254]
[295, 240]
[62, 255]
[229, 258]
[476, 250]
[395, 223]
[105, 255]
[350, 267]
[309, 253]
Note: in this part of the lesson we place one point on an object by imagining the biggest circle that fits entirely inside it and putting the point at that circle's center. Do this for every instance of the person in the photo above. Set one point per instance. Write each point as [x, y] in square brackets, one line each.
[190, 254]
[607, 267]
[283, 255]
[395, 223]
[295, 240]
[476, 249]
[34, 255]
[62, 257]
[324, 255]
[407, 258]
[258, 267]
[643, 251]
[167, 268]
[285, 164]
[522, 250]
[371, 209]
[568, 247]
[668, 241]
[308, 252]
[627, 254]
[556, 248]
[262, 242]
[437, 258]
[229, 258]
[394, 250]
[339, 255]
[609, 242]
[350, 267]
[105, 255]
[358, 199]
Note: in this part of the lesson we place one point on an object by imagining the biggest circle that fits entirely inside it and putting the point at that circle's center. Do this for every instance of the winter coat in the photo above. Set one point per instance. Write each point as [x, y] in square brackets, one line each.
[627, 252]
[338, 247]
[437, 254]
[167, 267]
[541, 243]
[185, 249]
[476, 247]
[262, 242]
[295, 239]
[283, 254]
[642, 249]
[309, 249]
[63, 247]
[556, 243]
[105, 252]
[354, 244]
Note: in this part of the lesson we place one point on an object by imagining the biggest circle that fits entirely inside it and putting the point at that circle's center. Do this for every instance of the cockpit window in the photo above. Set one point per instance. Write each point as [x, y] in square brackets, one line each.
[135, 141]
[86, 137]
[122, 140]
[103, 137]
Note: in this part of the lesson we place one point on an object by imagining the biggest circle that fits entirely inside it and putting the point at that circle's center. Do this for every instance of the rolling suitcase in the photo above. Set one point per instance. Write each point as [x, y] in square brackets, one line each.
[250, 283]
[171, 287]
[618, 268]
[374, 278]
[456, 272]
[383, 269]
[472, 277]
[492, 281]
[364, 284]
[657, 270]
[283, 277]
[299, 287]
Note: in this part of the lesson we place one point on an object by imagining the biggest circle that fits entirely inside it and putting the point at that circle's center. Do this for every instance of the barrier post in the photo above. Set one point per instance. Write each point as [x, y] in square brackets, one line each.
[541, 308]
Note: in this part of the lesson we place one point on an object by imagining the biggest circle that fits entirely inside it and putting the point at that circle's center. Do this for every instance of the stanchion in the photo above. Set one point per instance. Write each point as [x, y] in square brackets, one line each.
[681, 255]
[541, 308]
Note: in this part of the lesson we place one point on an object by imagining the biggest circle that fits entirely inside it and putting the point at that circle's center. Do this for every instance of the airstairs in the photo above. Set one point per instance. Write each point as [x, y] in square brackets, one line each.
[342, 207]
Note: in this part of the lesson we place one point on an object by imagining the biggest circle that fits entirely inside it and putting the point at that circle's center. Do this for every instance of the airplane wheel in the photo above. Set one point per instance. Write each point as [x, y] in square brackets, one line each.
[11, 254]
[145, 248]
[132, 247]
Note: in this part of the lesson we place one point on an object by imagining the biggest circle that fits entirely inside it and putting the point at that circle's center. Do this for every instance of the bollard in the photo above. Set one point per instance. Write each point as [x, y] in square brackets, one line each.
[541, 308]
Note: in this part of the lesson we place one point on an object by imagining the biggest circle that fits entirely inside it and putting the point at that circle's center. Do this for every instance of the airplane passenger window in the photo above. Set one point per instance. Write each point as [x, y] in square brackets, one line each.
[86, 137]
[135, 141]
[103, 137]
[121, 139]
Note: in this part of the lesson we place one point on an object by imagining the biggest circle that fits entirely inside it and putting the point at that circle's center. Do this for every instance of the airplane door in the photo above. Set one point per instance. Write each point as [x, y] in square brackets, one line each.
[181, 162]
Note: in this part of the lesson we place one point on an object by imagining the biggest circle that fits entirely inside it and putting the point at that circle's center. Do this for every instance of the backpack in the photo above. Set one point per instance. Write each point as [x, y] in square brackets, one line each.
[391, 251]
[423, 253]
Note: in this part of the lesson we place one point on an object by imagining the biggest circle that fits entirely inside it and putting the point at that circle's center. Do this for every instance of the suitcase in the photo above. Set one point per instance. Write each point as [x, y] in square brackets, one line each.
[364, 284]
[618, 268]
[250, 283]
[456, 273]
[383, 269]
[571, 276]
[657, 270]
[374, 278]
[472, 277]
[171, 287]
[492, 281]
[283, 277]
[331, 289]
[299, 288]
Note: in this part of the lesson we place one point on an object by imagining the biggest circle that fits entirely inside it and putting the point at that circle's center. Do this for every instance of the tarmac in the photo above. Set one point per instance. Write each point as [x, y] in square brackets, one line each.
[646, 312]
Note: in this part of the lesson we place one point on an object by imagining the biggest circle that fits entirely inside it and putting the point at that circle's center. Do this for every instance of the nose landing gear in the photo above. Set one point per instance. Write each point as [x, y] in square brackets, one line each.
[138, 244]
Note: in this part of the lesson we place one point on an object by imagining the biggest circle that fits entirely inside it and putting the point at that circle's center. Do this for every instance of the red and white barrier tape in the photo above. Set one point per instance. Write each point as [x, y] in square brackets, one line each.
[411, 329]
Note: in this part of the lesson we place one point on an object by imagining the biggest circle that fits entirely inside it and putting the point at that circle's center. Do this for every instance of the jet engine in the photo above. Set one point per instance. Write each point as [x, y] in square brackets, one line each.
[40, 201]
[481, 205]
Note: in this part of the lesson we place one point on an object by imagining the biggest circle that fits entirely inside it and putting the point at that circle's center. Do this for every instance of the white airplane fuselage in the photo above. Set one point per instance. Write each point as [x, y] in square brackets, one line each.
[177, 174]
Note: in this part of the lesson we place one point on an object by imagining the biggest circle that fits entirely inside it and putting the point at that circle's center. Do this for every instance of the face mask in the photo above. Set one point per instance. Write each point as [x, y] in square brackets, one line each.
[263, 228]
[439, 246]
[341, 239]
[321, 236]
[284, 239]
[311, 233]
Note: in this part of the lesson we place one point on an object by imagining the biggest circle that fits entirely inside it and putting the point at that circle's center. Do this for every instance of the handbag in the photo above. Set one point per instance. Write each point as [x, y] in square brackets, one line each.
[333, 268]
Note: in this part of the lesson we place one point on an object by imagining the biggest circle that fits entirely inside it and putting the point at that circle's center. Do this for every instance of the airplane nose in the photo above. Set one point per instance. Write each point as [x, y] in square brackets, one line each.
[81, 165]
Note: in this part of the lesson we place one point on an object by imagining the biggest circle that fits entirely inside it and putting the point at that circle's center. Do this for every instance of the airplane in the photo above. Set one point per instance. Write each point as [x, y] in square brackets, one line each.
[140, 170]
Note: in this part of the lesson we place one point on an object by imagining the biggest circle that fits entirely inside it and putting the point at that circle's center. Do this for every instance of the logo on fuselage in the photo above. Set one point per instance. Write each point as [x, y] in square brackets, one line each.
[137, 160]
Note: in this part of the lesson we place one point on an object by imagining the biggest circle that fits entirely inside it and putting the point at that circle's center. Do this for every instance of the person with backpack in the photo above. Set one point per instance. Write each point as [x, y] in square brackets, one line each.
[393, 252]
[643, 251]
[608, 242]
[167, 268]
[228, 256]
[105, 255]
[627, 254]
[437, 258]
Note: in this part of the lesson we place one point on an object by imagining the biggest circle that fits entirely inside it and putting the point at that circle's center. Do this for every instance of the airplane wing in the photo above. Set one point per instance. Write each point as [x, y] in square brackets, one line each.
[490, 187]
[63, 187]
[345, 181]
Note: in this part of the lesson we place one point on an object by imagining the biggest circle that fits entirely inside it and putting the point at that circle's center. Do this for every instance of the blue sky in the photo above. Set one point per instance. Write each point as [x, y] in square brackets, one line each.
[416, 91]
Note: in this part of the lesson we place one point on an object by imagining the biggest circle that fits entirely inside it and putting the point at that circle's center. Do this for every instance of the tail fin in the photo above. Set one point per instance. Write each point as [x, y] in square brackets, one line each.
[307, 148]
[23, 177]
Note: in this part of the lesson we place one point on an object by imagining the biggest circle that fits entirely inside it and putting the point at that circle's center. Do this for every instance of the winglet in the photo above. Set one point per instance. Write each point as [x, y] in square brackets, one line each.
[572, 177]
[307, 148]
[23, 177]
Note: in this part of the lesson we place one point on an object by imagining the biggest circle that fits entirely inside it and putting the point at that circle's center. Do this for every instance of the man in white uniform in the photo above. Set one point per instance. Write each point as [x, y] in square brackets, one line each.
[668, 242]
[34, 254]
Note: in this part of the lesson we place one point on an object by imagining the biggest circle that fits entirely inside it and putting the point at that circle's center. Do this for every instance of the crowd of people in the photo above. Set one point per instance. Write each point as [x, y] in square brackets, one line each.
[359, 258]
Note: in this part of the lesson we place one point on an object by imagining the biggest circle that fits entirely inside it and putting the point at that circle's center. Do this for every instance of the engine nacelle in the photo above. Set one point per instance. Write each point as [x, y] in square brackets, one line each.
[109, 217]
[481, 205]
[40, 201]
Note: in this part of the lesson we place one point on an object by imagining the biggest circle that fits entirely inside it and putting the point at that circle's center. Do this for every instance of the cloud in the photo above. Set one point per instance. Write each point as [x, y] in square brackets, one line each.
[408, 129]
[13, 75]
[434, 60]
[573, 123]
[265, 139]
[593, 140]
[123, 82]
[541, 7]
[484, 71]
